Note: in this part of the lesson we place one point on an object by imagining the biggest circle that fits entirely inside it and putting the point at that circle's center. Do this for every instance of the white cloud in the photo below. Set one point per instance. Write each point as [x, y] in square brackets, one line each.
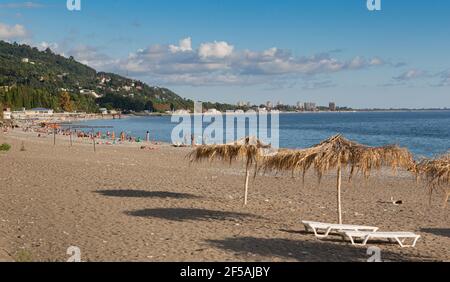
[8, 32]
[215, 49]
[185, 45]
[44, 45]
[444, 79]
[217, 63]
[376, 61]
[410, 75]
[93, 57]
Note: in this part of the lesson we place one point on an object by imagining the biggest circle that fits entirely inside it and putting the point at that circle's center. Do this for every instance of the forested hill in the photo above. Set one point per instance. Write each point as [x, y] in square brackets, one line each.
[31, 78]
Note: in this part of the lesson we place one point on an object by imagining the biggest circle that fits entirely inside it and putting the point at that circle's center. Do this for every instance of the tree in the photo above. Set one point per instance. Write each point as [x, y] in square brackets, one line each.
[65, 102]
[149, 106]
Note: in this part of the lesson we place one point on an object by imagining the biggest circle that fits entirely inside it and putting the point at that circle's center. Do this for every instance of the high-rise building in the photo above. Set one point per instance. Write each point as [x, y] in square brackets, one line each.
[300, 106]
[332, 106]
[310, 107]
[243, 104]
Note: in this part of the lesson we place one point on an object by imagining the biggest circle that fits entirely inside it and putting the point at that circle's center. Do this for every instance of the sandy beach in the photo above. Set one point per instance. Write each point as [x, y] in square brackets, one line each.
[123, 203]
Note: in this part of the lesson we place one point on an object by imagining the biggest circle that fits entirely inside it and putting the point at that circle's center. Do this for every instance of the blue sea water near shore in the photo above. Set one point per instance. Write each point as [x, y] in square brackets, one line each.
[425, 133]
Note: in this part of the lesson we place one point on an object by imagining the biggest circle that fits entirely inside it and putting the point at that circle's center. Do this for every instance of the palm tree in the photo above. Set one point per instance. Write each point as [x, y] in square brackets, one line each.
[248, 149]
[436, 172]
[338, 153]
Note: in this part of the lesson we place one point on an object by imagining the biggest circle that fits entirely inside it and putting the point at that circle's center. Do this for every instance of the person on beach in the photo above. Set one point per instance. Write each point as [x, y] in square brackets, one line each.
[147, 137]
[192, 140]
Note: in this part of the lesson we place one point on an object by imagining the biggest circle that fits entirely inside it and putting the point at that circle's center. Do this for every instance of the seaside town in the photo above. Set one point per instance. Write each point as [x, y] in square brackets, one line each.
[226, 134]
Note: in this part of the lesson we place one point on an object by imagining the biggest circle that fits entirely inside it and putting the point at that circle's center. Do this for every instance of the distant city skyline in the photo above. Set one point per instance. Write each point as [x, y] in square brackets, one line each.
[255, 50]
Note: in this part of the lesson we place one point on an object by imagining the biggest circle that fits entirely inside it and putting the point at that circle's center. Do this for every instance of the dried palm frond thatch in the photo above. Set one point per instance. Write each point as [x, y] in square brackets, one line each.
[248, 149]
[337, 153]
[436, 172]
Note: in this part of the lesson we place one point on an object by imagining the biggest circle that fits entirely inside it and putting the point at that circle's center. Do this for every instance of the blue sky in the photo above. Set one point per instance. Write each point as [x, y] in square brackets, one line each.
[254, 50]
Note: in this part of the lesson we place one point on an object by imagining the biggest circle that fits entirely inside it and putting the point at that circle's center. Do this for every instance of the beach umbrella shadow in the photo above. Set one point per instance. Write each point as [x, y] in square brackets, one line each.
[129, 193]
[186, 214]
[444, 232]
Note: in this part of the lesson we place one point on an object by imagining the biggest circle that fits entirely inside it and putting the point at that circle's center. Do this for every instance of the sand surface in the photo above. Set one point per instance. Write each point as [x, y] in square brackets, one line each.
[127, 204]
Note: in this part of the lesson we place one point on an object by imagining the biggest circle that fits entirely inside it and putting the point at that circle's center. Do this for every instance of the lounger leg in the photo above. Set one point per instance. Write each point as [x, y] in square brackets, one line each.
[399, 242]
[351, 240]
[323, 235]
[415, 241]
[316, 232]
[327, 232]
[366, 240]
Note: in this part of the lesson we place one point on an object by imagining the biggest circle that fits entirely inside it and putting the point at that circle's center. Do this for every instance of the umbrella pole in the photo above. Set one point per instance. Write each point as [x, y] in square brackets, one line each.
[247, 176]
[446, 199]
[339, 182]
[70, 133]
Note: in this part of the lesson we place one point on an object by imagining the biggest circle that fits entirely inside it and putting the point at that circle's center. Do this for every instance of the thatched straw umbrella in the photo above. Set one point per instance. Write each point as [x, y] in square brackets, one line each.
[436, 172]
[248, 149]
[338, 153]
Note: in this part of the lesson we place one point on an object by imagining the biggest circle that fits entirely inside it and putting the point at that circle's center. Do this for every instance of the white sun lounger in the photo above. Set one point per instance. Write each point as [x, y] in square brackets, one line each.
[399, 237]
[316, 227]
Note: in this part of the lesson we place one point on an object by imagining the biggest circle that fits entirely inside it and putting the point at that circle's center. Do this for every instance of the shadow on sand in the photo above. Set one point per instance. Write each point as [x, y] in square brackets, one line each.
[181, 214]
[145, 194]
[307, 251]
[444, 232]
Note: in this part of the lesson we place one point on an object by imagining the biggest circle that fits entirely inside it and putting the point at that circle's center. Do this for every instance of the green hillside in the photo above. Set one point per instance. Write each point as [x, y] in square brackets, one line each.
[31, 78]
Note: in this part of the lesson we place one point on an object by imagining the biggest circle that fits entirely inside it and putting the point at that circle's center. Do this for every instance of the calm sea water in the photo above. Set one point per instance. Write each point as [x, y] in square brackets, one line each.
[424, 133]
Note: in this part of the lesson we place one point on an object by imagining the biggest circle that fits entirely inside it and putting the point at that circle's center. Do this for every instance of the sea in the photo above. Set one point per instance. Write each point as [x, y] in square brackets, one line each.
[425, 133]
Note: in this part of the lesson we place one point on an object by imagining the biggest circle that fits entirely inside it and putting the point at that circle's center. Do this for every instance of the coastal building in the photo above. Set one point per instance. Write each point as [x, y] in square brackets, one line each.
[262, 110]
[213, 112]
[310, 107]
[332, 106]
[27, 61]
[243, 104]
[7, 114]
[5, 88]
[269, 105]
[68, 115]
[300, 106]
[182, 112]
[127, 88]
[90, 92]
[103, 111]
[36, 113]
